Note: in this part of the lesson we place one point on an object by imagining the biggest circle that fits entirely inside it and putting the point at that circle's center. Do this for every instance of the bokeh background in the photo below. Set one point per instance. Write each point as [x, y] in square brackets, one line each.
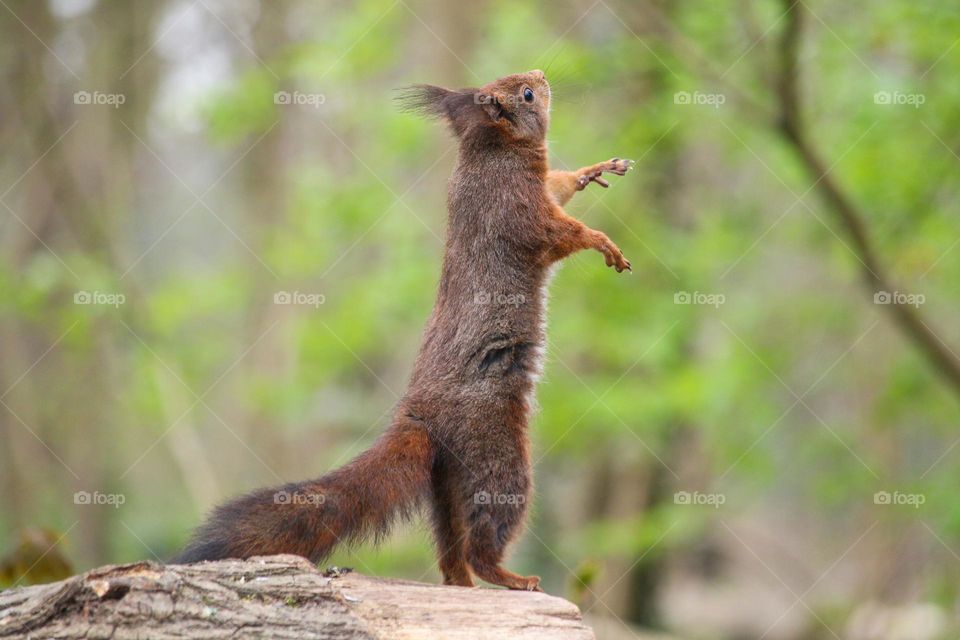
[218, 256]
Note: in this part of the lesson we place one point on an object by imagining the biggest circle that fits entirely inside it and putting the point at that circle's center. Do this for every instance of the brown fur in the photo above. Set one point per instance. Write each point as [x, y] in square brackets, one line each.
[459, 435]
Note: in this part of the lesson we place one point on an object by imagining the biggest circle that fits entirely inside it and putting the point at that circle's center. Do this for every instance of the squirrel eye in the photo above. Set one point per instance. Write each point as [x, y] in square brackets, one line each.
[528, 95]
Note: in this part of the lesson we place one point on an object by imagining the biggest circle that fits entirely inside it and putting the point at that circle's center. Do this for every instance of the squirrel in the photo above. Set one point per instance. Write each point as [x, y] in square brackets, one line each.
[458, 438]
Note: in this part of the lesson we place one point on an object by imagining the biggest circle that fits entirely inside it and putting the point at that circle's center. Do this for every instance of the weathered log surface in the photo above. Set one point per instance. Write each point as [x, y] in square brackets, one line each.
[274, 597]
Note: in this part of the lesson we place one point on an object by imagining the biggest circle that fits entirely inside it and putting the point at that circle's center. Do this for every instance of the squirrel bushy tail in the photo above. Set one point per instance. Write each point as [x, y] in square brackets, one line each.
[354, 502]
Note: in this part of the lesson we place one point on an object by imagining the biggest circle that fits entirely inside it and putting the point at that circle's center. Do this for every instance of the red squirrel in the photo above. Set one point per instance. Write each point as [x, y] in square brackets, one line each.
[458, 438]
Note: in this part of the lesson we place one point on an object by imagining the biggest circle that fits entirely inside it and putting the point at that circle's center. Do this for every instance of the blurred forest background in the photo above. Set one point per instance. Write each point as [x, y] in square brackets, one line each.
[220, 242]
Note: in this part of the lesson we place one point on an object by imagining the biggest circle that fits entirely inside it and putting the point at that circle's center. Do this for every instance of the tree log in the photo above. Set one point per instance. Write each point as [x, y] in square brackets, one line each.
[276, 597]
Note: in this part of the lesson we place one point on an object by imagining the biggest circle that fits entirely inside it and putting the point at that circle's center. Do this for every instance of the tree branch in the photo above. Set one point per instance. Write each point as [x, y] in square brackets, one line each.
[850, 217]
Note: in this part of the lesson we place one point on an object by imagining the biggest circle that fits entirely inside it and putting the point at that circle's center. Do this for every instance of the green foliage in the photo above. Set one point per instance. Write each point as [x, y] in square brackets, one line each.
[349, 203]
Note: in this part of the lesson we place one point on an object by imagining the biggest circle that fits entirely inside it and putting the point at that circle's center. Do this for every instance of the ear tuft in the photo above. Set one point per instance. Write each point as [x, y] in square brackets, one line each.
[462, 109]
[424, 100]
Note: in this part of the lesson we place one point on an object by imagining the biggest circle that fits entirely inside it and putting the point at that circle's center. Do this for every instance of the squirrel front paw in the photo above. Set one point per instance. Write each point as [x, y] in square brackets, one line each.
[612, 254]
[619, 166]
[616, 166]
[616, 260]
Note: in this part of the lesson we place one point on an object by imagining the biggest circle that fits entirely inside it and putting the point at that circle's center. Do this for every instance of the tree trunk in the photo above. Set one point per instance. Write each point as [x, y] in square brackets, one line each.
[277, 597]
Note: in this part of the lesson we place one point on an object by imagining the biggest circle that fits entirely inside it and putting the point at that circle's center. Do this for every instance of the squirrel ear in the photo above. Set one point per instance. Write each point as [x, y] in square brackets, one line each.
[491, 104]
[424, 99]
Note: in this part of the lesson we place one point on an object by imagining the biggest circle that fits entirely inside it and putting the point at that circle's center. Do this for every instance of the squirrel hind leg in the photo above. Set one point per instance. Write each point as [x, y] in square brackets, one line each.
[455, 570]
[485, 550]
[450, 530]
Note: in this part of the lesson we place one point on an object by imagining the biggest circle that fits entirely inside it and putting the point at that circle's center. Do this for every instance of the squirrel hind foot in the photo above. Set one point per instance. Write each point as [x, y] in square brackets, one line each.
[504, 578]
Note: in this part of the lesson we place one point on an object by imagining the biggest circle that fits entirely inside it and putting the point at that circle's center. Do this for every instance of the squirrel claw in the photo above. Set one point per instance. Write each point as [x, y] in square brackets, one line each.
[612, 256]
[619, 166]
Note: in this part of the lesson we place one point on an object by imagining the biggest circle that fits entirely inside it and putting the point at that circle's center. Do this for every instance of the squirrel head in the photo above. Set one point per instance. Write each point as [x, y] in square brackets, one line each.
[518, 105]
[515, 108]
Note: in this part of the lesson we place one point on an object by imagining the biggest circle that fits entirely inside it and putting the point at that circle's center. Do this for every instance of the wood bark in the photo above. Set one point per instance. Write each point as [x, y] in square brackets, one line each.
[275, 597]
